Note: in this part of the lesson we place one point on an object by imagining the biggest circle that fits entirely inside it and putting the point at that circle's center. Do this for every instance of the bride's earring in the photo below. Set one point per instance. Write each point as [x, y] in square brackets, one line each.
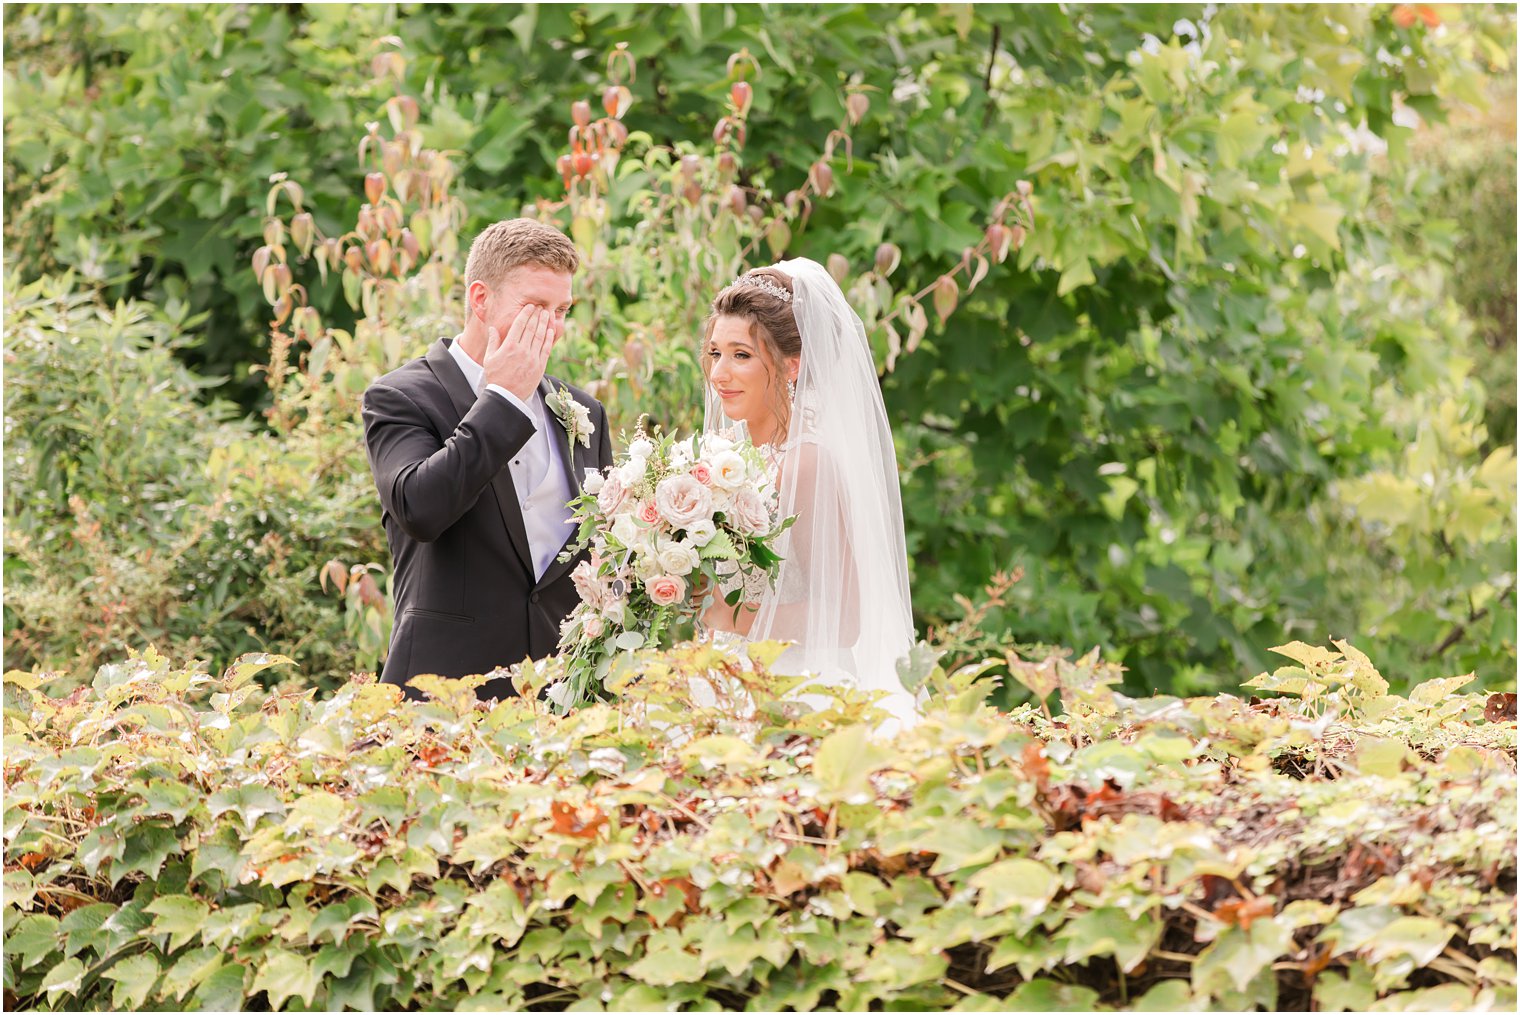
[791, 391]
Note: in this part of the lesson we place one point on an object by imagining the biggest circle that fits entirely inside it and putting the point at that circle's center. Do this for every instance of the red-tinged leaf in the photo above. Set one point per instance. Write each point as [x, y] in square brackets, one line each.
[1035, 765]
[580, 112]
[1500, 707]
[1243, 911]
[374, 187]
[580, 823]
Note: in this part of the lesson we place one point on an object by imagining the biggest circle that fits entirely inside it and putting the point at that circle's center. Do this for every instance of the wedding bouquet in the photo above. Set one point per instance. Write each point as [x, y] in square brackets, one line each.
[664, 525]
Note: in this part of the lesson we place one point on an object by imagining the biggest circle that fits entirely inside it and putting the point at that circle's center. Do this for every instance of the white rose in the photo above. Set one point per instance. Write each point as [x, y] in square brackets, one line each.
[642, 447]
[625, 530]
[728, 470]
[701, 532]
[633, 470]
[593, 482]
[593, 626]
[647, 567]
[682, 500]
[750, 514]
[677, 557]
[559, 694]
[715, 444]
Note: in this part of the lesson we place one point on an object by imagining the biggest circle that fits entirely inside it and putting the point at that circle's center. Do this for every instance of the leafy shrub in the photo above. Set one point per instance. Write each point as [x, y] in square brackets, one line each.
[1472, 165]
[178, 839]
[137, 514]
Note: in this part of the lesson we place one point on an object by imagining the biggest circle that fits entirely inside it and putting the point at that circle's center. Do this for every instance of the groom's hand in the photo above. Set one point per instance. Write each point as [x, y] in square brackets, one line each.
[517, 359]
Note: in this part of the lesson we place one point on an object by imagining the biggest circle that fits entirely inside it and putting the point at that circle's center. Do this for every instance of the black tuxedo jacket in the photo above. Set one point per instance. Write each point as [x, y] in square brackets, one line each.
[466, 598]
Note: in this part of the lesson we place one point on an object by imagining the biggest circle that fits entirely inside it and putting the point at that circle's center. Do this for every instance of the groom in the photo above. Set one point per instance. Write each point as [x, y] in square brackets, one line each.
[474, 467]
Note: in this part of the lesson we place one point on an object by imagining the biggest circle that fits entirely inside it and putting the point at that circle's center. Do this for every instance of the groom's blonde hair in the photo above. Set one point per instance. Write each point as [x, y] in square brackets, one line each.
[516, 243]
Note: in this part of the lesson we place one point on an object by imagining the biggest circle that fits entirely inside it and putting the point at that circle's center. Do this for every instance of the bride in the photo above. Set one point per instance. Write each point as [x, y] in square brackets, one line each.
[787, 363]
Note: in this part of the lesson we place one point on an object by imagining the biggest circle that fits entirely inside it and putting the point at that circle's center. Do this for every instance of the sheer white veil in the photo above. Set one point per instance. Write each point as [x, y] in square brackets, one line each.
[842, 591]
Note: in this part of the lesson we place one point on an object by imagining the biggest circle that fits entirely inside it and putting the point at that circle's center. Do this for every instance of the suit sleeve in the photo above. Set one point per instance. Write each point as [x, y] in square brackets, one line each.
[425, 483]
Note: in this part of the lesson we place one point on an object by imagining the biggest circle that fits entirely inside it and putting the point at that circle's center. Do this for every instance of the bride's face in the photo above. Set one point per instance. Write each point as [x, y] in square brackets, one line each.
[739, 373]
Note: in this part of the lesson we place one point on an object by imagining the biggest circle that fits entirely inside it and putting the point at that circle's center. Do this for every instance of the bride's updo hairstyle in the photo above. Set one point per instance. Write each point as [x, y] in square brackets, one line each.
[770, 323]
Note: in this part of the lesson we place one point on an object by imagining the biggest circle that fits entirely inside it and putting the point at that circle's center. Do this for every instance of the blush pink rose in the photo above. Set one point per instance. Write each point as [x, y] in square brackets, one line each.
[683, 500]
[588, 584]
[750, 513]
[702, 474]
[666, 589]
[648, 513]
[611, 495]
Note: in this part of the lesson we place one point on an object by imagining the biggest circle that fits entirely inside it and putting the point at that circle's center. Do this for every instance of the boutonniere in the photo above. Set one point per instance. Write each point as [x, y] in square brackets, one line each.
[575, 416]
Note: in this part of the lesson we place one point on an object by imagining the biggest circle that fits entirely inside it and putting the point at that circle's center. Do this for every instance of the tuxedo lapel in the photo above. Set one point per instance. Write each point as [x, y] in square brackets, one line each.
[441, 360]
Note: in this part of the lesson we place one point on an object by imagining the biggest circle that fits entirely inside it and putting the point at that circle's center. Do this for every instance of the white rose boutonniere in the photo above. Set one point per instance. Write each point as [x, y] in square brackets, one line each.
[575, 416]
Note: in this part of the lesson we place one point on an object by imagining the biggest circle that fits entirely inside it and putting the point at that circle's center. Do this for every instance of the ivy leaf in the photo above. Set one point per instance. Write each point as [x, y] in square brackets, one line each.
[667, 967]
[1433, 692]
[146, 849]
[1362, 674]
[249, 803]
[318, 813]
[1237, 956]
[172, 798]
[1027, 885]
[283, 975]
[917, 666]
[192, 968]
[844, 762]
[179, 916]
[134, 977]
[1312, 657]
[959, 842]
[34, 939]
[64, 978]
[223, 990]
[1422, 938]
[83, 928]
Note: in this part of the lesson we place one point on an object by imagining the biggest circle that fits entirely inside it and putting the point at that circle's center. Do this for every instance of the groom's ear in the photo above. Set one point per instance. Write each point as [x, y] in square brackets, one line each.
[475, 298]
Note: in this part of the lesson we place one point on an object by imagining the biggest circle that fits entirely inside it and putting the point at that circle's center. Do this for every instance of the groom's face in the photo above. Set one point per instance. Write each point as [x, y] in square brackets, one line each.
[529, 285]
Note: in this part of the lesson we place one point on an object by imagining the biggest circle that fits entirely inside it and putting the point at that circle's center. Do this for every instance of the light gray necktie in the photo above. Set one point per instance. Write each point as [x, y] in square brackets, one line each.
[533, 459]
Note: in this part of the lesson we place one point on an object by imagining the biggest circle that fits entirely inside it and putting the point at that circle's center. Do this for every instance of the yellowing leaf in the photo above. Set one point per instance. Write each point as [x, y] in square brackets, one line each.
[1025, 884]
[1360, 673]
[1433, 692]
[1311, 656]
[844, 763]
[1422, 938]
[1381, 756]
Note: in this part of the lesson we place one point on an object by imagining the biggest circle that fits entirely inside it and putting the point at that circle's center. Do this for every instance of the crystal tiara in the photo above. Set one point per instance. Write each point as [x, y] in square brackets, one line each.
[765, 285]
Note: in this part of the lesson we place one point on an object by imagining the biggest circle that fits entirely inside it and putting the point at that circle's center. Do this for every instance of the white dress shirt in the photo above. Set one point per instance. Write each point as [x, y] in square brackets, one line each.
[538, 473]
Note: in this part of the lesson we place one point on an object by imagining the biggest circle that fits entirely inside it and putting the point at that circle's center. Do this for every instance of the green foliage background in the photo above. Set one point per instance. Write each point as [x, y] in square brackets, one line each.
[1229, 390]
